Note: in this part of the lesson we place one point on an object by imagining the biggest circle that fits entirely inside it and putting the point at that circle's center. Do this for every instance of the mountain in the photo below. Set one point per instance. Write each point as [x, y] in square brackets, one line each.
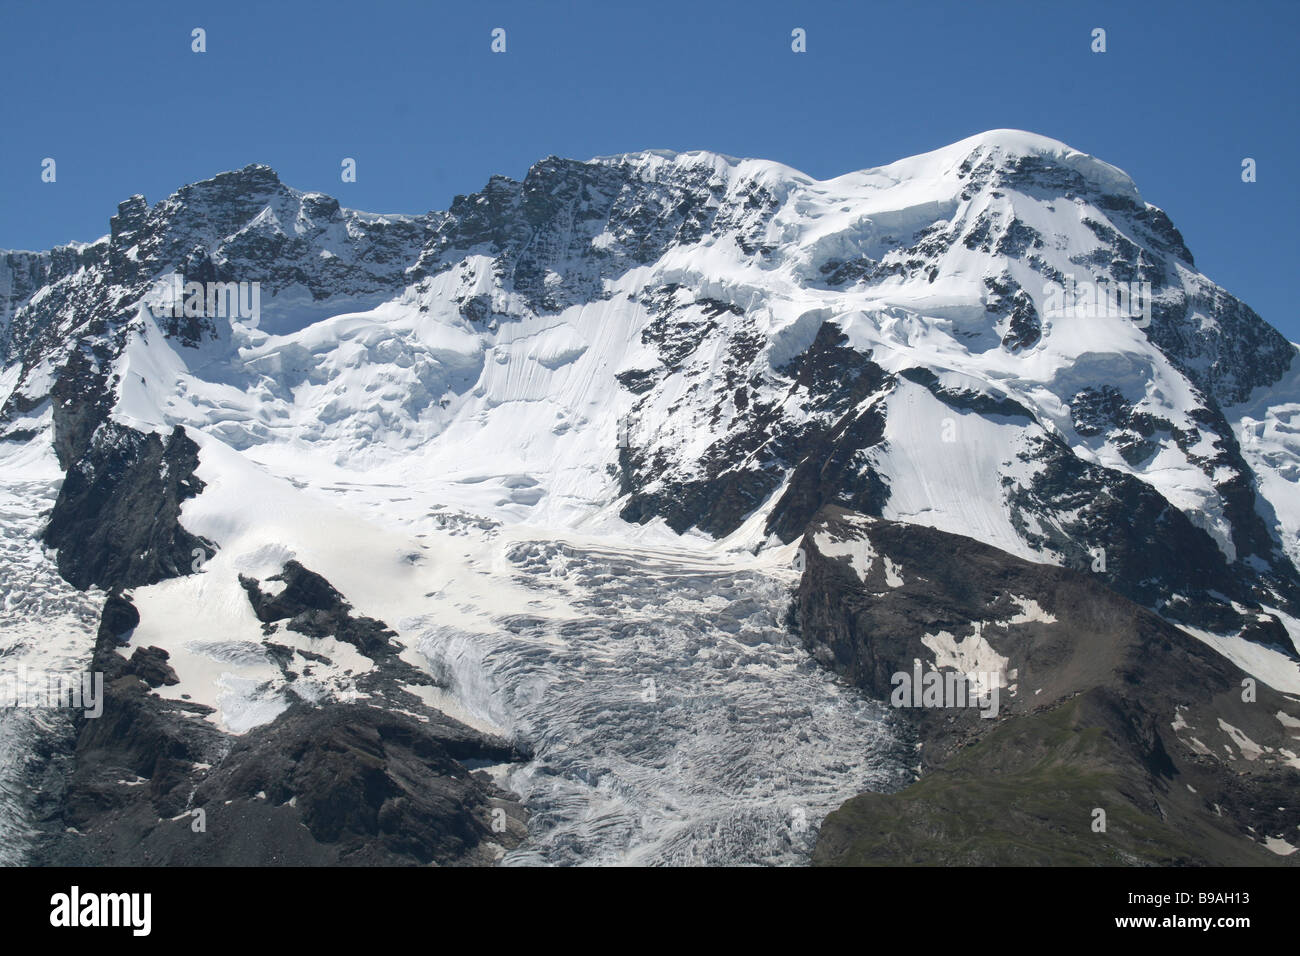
[1113, 739]
[520, 484]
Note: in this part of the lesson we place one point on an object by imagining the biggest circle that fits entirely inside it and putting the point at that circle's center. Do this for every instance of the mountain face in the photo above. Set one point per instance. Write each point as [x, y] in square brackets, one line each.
[1083, 702]
[518, 485]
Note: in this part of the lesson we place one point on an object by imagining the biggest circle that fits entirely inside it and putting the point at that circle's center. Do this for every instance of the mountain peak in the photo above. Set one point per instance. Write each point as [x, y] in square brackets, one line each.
[1014, 146]
[251, 174]
[254, 182]
[999, 147]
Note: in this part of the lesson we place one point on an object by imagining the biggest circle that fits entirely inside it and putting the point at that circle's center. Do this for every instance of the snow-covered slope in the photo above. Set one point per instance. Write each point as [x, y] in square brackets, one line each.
[679, 352]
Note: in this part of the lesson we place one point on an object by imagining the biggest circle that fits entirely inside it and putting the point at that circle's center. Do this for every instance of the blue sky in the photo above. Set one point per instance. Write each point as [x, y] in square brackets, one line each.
[412, 91]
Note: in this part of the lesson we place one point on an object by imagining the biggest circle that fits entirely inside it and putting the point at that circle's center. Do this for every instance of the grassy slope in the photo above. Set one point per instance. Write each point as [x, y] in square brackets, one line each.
[1023, 795]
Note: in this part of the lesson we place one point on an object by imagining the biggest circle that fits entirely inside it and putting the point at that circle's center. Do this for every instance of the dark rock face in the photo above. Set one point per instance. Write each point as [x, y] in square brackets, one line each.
[314, 608]
[829, 466]
[308, 604]
[738, 473]
[1104, 706]
[1007, 299]
[23, 274]
[116, 520]
[118, 619]
[1105, 412]
[1041, 177]
[1241, 354]
[215, 221]
[371, 787]
[735, 475]
[139, 737]
[1153, 554]
[150, 665]
[546, 223]
[151, 782]
[967, 399]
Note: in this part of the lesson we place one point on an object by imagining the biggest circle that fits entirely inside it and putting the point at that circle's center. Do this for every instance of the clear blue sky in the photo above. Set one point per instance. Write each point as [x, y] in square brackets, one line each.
[1186, 89]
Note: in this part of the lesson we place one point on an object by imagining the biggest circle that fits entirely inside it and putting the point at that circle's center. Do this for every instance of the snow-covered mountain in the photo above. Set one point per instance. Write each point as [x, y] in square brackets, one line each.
[541, 462]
